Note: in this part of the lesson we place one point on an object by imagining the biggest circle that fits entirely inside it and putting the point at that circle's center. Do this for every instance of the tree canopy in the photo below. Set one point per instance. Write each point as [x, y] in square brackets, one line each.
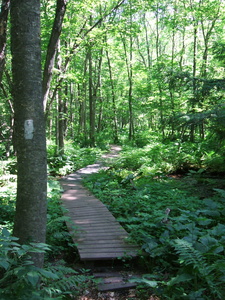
[125, 68]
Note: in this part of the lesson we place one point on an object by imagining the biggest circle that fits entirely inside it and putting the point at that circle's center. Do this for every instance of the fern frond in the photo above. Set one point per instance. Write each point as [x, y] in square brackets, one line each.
[67, 283]
[62, 270]
[190, 256]
[62, 280]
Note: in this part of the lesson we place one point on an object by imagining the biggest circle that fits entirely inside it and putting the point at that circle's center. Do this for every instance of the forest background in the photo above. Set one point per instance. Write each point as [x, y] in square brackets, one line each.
[132, 69]
[150, 76]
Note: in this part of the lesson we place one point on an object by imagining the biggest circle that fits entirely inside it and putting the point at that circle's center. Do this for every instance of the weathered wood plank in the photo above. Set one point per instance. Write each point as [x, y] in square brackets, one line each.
[103, 256]
[98, 235]
[105, 248]
[116, 286]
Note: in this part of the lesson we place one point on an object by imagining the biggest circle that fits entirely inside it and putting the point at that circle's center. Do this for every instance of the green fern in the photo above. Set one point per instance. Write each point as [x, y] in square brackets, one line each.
[62, 280]
[191, 257]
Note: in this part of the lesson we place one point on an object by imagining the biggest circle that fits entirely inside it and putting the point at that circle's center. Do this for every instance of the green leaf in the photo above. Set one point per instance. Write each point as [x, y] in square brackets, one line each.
[218, 230]
[210, 203]
[48, 274]
[150, 283]
[180, 278]
[220, 192]
[33, 277]
[4, 264]
[5, 232]
[208, 241]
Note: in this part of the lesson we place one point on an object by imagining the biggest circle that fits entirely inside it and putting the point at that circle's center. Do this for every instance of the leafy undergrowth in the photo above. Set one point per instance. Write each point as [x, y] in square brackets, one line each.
[164, 158]
[177, 218]
[73, 158]
[179, 227]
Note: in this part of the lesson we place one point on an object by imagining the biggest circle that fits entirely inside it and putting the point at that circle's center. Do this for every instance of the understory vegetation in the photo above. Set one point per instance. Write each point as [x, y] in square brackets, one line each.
[170, 198]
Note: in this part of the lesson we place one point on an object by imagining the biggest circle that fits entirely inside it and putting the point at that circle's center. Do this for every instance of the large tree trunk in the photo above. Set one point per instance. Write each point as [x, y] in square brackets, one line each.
[30, 217]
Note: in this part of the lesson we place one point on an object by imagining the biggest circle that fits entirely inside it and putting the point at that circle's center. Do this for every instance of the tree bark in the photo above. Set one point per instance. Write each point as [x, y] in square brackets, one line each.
[30, 216]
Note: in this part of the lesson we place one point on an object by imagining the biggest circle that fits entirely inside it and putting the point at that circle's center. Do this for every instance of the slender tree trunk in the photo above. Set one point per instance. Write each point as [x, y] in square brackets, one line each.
[115, 131]
[91, 101]
[129, 57]
[97, 89]
[194, 100]
[171, 86]
[82, 99]
[159, 81]
[30, 216]
[149, 59]
[206, 36]
[130, 79]
[52, 48]
[60, 124]
[181, 60]
[82, 110]
[61, 116]
[100, 114]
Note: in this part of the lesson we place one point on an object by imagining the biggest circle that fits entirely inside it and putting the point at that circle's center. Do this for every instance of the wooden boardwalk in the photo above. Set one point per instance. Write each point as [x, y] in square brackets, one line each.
[98, 235]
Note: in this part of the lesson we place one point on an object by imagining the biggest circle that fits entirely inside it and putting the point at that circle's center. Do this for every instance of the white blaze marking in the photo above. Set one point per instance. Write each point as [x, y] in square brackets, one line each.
[28, 129]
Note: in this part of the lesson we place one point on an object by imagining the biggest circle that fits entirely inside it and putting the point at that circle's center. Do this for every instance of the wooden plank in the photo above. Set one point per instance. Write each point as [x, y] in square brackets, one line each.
[111, 281]
[103, 241]
[115, 286]
[98, 235]
[90, 218]
[99, 252]
[115, 233]
[102, 232]
[93, 239]
[96, 225]
[102, 256]
[89, 222]
[91, 213]
[107, 238]
[76, 207]
[99, 247]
